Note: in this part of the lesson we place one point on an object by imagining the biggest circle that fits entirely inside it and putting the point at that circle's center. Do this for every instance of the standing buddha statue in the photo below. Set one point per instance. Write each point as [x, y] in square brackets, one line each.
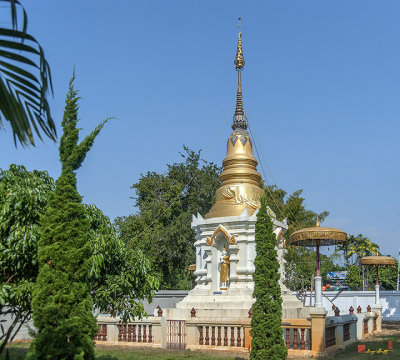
[224, 272]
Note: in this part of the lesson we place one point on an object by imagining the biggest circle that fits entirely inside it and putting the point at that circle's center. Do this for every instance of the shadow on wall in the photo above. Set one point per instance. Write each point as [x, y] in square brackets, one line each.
[392, 309]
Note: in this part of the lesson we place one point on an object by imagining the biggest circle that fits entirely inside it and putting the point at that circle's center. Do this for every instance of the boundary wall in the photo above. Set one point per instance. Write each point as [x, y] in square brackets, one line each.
[390, 301]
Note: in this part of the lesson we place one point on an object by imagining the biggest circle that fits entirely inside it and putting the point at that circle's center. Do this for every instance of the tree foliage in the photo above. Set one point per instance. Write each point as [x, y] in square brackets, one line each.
[25, 80]
[302, 266]
[388, 276]
[354, 279]
[119, 277]
[358, 247]
[266, 332]
[62, 301]
[23, 198]
[301, 262]
[292, 208]
[354, 250]
[161, 226]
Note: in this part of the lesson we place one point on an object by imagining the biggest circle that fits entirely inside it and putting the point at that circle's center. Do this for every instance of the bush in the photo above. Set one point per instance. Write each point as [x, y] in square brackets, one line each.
[267, 337]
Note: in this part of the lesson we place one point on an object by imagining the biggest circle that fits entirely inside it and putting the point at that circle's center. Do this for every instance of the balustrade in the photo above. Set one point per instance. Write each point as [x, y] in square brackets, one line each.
[142, 333]
[207, 336]
[101, 333]
[294, 333]
[219, 335]
[366, 326]
[225, 336]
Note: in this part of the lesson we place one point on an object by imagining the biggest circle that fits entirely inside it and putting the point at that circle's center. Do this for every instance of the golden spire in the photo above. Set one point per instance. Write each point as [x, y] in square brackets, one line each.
[239, 119]
[240, 181]
[239, 61]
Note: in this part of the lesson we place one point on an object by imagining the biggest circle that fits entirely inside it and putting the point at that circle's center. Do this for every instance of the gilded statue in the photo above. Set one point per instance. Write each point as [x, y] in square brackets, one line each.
[224, 266]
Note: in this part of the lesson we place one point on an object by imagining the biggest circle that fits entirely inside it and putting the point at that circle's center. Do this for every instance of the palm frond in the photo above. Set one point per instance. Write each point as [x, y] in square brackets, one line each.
[25, 81]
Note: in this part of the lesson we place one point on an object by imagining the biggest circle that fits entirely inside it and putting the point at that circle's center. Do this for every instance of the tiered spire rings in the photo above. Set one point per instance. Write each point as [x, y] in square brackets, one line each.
[239, 119]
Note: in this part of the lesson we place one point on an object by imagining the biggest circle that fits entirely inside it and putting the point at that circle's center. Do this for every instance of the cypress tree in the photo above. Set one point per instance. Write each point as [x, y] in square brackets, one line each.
[62, 305]
[267, 336]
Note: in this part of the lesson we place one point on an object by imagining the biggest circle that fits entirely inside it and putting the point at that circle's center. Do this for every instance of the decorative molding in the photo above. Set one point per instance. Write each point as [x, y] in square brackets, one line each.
[221, 229]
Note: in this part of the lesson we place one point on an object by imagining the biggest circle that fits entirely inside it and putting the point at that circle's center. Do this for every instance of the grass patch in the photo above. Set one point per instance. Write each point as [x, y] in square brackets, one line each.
[20, 349]
[125, 353]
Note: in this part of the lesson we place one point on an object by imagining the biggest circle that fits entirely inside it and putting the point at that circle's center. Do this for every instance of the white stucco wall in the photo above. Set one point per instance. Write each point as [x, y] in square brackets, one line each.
[390, 301]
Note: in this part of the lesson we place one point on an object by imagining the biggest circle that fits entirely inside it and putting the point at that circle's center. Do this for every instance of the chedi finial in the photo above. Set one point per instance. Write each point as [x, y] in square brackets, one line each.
[239, 61]
[239, 119]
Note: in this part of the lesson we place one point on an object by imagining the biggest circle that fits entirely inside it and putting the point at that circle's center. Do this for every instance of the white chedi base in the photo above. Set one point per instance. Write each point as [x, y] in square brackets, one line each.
[237, 235]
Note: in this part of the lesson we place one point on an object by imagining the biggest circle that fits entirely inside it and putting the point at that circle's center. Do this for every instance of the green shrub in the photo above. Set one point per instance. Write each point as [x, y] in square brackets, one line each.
[267, 337]
[62, 304]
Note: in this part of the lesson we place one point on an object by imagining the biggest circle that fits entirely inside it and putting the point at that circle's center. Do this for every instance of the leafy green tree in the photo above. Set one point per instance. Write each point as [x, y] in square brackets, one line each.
[165, 203]
[300, 265]
[62, 304]
[388, 276]
[365, 278]
[354, 278]
[266, 332]
[23, 198]
[292, 208]
[360, 246]
[119, 277]
[355, 249]
[25, 80]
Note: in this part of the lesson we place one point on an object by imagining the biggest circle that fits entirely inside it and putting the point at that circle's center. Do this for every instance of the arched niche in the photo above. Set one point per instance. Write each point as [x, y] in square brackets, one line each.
[280, 241]
[217, 241]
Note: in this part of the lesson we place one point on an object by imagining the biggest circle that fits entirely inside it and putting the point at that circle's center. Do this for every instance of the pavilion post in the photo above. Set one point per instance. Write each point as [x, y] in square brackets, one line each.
[377, 285]
[318, 283]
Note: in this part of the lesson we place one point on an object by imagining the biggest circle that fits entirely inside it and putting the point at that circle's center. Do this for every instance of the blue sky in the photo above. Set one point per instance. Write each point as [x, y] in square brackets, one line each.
[321, 91]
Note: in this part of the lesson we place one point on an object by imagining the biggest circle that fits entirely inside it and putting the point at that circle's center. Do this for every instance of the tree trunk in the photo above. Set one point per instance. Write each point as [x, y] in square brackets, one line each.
[9, 332]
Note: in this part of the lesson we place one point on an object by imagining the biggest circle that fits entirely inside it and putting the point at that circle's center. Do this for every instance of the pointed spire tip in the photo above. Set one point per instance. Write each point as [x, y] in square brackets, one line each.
[239, 119]
[239, 61]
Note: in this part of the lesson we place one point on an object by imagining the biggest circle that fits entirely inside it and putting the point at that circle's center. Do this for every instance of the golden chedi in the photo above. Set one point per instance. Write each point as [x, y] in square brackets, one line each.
[240, 181]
